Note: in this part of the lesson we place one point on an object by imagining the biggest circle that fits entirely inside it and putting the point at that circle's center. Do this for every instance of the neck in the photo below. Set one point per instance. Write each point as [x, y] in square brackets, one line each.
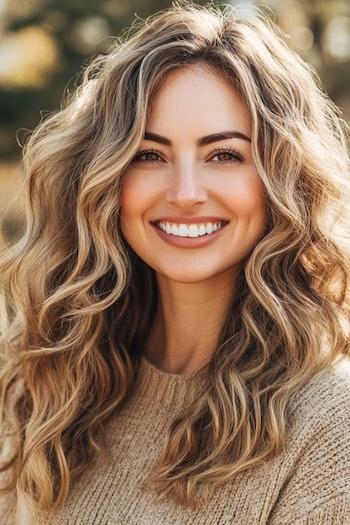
[188, 322]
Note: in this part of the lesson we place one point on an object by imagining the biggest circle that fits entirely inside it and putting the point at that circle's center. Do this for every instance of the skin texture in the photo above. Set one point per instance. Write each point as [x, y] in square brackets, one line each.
[186, 180]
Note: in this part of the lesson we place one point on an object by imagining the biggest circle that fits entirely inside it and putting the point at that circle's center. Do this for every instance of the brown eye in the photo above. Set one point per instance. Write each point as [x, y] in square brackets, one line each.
[147, 156]
[225, 155]
[228, 155]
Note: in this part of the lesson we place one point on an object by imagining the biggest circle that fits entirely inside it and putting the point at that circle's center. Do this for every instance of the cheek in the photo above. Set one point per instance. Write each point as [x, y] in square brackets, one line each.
[245, 196]
[129, 201]
[136, 195]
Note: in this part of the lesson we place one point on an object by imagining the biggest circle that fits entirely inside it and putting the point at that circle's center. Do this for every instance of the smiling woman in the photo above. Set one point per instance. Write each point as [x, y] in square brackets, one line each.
[182, 356]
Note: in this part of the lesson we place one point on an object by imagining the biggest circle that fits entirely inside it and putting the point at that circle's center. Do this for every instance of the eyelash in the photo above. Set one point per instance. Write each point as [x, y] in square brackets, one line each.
[237, 156]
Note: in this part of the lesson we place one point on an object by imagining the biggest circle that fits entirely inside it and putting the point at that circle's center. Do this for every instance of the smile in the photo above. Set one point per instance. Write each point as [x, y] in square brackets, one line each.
[189, 235]
[189, 230]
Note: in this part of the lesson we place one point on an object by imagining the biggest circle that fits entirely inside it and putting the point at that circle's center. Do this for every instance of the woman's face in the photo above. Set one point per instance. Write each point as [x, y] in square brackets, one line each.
[185, 175]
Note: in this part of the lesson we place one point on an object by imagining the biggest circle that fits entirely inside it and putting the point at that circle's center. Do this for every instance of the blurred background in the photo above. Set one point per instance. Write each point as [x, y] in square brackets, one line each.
[44, 44]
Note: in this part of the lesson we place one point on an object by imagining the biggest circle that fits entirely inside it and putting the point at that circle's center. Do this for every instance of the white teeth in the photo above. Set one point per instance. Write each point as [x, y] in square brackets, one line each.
[202, 230]
[193, 231]
[209, 227]
[183, 230]
[189, 230]
[174, 229]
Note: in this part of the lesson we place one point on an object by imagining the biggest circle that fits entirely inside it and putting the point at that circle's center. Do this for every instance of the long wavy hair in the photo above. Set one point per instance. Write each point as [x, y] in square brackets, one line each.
[77, 303]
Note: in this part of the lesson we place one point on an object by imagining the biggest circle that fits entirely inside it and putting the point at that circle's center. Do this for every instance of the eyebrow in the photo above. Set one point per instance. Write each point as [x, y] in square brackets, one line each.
[203, 141]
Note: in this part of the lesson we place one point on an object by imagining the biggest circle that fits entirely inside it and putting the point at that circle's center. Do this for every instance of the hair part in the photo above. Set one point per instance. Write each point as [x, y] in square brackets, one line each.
[72, 333]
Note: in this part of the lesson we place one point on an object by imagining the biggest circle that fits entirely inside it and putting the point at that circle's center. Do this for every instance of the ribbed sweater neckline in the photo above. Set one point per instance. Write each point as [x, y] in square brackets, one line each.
[166, 388]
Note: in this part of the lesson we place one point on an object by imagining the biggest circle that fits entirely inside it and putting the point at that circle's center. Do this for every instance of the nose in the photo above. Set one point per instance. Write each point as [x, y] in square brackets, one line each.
[186, 187]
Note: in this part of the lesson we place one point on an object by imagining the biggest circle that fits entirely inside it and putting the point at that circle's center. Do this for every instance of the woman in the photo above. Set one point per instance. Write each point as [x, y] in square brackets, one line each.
[175, 325]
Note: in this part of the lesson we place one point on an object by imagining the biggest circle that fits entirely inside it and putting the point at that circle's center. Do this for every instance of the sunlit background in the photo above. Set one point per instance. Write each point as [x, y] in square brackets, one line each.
[45, 43]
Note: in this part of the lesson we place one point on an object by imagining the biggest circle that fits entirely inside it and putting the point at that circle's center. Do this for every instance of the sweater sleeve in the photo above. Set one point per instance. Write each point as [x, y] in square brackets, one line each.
[335, 511]
[317, 490]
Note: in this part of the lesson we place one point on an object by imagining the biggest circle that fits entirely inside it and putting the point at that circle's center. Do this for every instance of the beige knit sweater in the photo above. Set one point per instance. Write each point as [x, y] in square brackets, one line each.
[309, 483]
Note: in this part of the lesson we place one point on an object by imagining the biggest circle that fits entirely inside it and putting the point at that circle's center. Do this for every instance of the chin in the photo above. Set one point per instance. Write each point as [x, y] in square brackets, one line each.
[189, 276]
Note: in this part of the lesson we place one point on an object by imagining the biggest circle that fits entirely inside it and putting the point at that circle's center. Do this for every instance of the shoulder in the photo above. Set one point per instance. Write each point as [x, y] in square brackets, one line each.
[319, 423]
[325, 397]
[318, 484]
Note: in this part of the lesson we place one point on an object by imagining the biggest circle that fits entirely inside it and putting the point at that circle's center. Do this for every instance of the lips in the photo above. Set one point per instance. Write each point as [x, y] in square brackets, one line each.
[190, 220]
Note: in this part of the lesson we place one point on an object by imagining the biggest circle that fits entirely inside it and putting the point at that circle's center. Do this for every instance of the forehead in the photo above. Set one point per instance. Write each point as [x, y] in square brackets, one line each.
[196, 99]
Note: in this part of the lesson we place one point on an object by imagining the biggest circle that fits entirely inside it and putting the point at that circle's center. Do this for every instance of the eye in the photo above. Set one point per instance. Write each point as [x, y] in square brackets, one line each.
[230, 154]
[147, 156]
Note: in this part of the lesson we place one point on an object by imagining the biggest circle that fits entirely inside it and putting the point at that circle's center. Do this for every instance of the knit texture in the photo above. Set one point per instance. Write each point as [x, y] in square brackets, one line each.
[307, 484]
